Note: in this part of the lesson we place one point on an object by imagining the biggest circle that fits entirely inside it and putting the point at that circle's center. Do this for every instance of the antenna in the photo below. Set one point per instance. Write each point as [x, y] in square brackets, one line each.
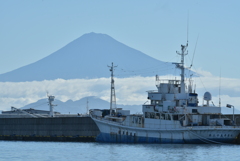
[112, 96]
[220, 88]
[87, 107]
[187, 25]
[183, 53]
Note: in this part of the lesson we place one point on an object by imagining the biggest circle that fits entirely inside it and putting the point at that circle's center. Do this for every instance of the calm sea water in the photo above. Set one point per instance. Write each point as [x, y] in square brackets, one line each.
[62, 151]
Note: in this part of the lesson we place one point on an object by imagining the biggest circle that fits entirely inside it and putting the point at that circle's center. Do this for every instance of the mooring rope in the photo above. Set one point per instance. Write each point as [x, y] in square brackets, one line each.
[208, 141]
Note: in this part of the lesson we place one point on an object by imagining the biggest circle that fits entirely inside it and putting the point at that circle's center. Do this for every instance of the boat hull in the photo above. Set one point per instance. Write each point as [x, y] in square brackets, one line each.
[113, 138]
[116, 133]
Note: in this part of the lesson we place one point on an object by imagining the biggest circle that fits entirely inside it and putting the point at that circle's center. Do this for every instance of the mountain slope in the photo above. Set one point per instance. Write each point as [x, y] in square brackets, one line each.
[87, 57]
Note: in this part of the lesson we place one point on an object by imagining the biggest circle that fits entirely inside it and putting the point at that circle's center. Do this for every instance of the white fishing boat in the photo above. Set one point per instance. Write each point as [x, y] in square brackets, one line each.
[172, 116]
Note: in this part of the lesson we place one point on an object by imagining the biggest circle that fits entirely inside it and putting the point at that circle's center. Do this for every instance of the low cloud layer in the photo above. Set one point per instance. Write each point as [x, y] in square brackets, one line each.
[129, 91]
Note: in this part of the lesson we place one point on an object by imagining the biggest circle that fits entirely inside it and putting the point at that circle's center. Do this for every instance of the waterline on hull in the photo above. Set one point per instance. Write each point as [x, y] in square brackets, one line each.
[117, 138]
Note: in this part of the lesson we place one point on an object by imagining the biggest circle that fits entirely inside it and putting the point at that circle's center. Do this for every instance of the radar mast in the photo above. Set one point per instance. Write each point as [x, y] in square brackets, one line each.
[113, 95]
[181, 66]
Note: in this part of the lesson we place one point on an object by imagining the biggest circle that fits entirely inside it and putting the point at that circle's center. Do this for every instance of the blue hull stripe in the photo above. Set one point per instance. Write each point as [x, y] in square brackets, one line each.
[115, 138]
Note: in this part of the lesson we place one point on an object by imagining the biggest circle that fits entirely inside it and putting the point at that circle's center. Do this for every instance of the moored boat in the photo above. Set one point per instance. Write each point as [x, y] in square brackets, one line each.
[172, 116]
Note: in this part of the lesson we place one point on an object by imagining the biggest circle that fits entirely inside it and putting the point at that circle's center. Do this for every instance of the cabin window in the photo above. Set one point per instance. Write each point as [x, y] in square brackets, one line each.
[227, 122]
[194, 111]
[152, 115]
[157, 116]
[175, 117]
[162, 116]
[177, 102]
[168, 117]
[214, 116]
[136, 120]
[147, 115]
[153, 102]
[140, 120]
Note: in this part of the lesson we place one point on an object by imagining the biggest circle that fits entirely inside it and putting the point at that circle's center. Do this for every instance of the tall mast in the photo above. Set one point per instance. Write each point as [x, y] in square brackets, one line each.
[181, 65]
[112, 96]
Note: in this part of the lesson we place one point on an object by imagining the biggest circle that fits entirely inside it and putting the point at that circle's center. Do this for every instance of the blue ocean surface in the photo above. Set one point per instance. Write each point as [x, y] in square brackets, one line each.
[68, 151]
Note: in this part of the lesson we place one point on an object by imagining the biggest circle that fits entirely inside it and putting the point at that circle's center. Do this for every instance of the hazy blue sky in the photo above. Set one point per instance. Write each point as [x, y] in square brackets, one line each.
[31, 30]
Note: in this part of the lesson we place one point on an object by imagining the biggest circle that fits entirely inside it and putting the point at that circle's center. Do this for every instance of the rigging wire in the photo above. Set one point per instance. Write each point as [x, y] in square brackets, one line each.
[201, 80]
[194, 51]
[146, 71]
[165, 66]
[149, 68]
[141, 73]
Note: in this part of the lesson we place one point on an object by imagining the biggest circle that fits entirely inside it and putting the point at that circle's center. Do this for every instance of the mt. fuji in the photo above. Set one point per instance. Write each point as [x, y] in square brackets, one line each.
[88, 57]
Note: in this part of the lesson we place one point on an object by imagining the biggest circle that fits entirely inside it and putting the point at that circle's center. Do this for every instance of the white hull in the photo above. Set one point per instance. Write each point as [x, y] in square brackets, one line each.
[114, 132]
